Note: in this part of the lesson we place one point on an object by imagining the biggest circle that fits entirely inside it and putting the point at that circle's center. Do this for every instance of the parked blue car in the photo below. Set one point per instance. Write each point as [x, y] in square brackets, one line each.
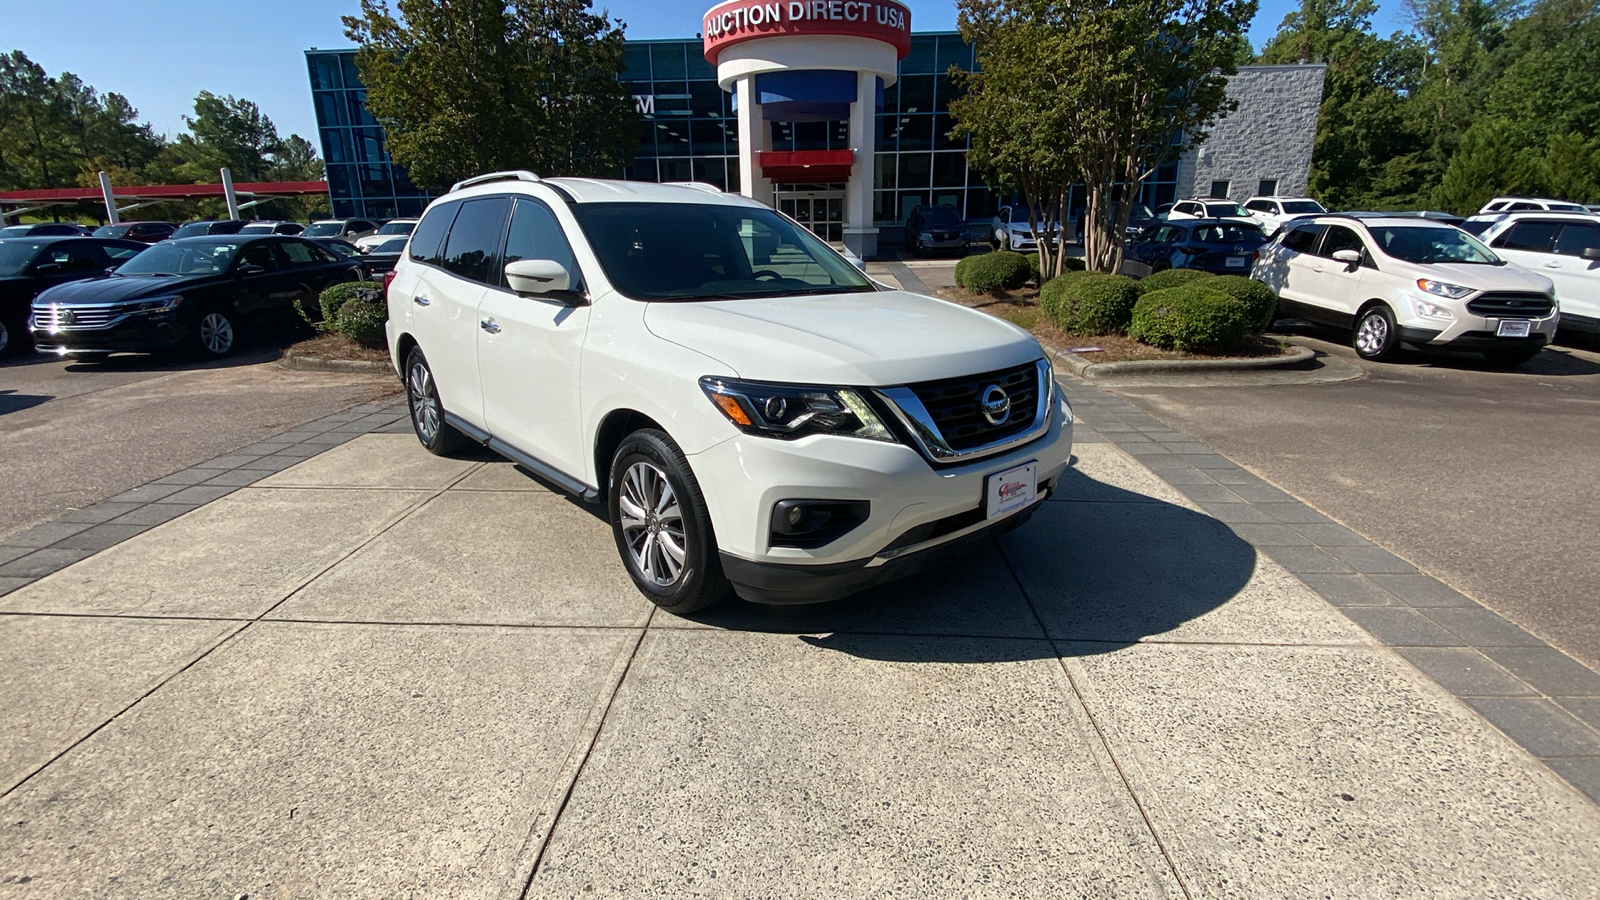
[1222, 246]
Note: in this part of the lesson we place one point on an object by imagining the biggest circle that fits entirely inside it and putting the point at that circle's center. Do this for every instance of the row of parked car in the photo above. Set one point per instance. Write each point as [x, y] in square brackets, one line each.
[362, 234]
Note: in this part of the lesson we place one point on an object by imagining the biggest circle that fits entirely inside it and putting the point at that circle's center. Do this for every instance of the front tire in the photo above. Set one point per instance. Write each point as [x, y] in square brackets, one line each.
[1376, 337]
[215, 334]
[662, 529]
[427, 413]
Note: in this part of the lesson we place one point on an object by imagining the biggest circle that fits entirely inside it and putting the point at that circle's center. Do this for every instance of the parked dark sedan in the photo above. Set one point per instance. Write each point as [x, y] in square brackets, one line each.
[1213, 245]
[209, 226]
[196, 294]
[44, 229]
[29, 265]
[144, 232]
[382, 257]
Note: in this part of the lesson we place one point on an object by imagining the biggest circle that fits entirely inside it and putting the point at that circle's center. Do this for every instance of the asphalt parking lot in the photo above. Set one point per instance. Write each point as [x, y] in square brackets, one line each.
[72, 433]
[374, 672]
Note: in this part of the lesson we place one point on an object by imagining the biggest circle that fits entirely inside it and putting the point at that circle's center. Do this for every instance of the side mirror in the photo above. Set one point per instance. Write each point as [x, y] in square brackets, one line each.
[1353, 257]
[1590, 253]
[538, 277]
[250, 269]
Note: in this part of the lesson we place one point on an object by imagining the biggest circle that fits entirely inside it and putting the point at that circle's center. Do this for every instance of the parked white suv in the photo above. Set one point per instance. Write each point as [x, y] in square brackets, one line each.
[1531, 204]
[387, 231]
[1010, 231]
[1397, 281]
[1205, 208]
[750, 408]
[1564, 247]
[1271, 212]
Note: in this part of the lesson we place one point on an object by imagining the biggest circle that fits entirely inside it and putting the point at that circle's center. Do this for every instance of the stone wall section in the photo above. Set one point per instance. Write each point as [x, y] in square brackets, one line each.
[1270, 135]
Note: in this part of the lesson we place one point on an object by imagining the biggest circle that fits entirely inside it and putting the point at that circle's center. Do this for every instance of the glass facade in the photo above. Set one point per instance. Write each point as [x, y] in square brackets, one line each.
[687, 132]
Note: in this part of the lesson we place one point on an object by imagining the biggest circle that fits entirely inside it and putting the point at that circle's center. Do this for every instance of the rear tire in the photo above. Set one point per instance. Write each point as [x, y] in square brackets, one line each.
[215, 334]
[1376, 337]
[1510, 357]
[427, 413]
[662, 529]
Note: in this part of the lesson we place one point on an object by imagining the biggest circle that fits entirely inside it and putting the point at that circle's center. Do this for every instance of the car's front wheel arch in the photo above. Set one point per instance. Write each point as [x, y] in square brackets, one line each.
[613, 429]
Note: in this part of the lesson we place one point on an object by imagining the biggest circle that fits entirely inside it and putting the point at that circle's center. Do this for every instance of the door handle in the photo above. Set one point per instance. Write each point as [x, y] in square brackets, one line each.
[1552, 264]
[421, 300]
[489, 326]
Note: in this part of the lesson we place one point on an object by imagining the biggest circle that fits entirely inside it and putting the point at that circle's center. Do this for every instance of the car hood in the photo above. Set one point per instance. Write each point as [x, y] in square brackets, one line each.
[869, 339]
[1509, 277]
[15, 285]
[112, 289]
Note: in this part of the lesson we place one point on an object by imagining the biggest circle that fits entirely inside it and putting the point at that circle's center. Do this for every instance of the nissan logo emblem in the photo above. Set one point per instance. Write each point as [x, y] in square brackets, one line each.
[995, 405]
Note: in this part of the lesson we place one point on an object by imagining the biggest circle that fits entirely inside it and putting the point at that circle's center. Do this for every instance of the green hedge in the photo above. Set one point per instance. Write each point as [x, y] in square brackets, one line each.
[362, 320]
[1170, 278]
[328, 302]
[1085, 303]
[1001, 270]
[1190, 317]
[1258, 300]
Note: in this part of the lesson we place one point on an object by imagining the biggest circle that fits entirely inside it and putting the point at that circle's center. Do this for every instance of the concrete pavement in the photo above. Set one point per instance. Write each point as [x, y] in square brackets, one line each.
[370, 672]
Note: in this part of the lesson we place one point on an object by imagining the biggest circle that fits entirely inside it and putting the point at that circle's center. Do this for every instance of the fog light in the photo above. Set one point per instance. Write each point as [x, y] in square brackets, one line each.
[797, 514]
[812, 523]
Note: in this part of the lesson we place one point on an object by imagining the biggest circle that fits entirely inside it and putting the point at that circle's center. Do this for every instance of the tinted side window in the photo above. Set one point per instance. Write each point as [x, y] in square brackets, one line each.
[1522, 207]
[428, 240]
[535, 234]
[1260, 206]
[121, 254]
[1302, 239]
[299, 254]
[1577, 238]
[77, 257]
[259, 253]
[472, 249]
[1341, 238]
[1534, 236]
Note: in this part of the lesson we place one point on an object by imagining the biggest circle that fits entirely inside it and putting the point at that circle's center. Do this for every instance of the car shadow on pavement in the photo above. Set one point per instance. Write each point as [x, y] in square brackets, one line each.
[260, 347]
[11, 401]
[1553, 361]
[1097, 565]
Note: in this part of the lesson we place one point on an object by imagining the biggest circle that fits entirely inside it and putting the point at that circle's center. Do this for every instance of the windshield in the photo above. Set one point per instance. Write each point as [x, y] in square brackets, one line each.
[1442, 244]
[1303, 208]
[16, 231]
[1223, 210]
[392, 245]
[339, 247]
[259, 228]
[681, 251]
[111, 230]
[325, 229]
[205, 258]
[193, 229]
[1229, 234]
[15, 256]
[397, 228]
[940, 215]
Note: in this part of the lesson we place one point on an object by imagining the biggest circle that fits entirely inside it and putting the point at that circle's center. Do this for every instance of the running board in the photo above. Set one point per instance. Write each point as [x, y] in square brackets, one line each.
[542, 469]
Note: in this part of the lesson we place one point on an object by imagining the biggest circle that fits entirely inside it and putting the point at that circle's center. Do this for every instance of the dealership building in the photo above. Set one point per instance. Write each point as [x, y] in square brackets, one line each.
[832, 111]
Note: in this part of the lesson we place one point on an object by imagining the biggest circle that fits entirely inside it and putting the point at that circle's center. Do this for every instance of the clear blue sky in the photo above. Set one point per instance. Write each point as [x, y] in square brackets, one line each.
[159, 55]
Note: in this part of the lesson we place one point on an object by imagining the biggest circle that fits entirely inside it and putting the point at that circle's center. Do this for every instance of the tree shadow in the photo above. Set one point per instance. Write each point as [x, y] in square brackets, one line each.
[1096, 564]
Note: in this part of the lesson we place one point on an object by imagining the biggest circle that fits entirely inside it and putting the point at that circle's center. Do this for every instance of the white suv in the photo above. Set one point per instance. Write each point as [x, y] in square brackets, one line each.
[1272, 212]
[1206, 208]
[1397, 281]
[1531, 204]
[750, 408]
[1564, 247]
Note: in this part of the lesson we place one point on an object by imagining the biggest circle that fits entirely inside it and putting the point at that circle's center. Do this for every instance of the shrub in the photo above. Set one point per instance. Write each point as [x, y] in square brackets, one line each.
[1191, 317]
[329, 301]
[1170, 278]
[1001, 270]
[361, 320]
[1260, 303]
[1087, 303]
[1070, 264]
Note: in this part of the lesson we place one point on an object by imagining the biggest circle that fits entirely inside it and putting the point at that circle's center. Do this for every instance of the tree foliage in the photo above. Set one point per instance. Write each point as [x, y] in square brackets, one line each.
[470, 86]
[1096, 91]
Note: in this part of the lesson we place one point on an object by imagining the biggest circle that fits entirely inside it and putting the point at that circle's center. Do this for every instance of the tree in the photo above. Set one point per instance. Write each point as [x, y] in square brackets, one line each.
[470, 86]
[228, 132]
[1122, 86]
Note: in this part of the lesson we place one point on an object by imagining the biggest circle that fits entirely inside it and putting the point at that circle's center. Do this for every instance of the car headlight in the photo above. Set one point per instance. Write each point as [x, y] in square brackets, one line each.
[790, 411]
[1430, 310]
[154, 304]
[1444, 288]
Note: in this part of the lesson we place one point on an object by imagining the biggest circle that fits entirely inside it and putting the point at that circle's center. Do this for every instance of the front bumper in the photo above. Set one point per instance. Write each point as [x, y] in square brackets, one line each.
[929, 242]
[133, 335]
[1467, 331]
[909, 500]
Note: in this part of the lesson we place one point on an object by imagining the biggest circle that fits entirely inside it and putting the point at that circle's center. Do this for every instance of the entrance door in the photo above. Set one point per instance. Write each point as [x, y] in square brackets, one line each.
[820, 211]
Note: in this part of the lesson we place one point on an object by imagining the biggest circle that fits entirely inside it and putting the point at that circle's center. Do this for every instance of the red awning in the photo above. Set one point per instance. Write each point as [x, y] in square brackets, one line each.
[806, 165]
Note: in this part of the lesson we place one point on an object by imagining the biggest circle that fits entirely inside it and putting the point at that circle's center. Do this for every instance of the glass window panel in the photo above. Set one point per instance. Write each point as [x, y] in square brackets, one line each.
[336, 145]
[402, 181]
[667, 62]
[647, 137]
[357, 103]
[374, 181]
[949, 170]
[915, 170]
[888, 133]
[731, 129]
[909, 200]
[636, 62]
[884, 170]
[340, 181]
[943, 123]
[472, 249]
[675, 169]
[672, 99]
[980, 204]
[344, 209]
[921, 57]
[945, 90]
[411, 207]
[953, 51]
[705, 137]
[891, 99]
[711, 171]
[368, 145]
[324, 72]
[330, 109]
[916, 133]
[347, 64]
[706, 99]
[672, 137]
[733, 174]
[916, 94]
[883, 208]
[698, 67]
[535, 234]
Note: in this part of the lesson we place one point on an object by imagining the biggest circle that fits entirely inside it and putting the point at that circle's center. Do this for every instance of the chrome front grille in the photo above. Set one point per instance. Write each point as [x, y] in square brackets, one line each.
[56, 317]
[1511, 305]
[956, 419]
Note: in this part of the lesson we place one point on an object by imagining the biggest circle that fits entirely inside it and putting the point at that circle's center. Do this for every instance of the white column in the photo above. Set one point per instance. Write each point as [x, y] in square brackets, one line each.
[754, 136]
[860, 237]
[227, 193]
[111, 202]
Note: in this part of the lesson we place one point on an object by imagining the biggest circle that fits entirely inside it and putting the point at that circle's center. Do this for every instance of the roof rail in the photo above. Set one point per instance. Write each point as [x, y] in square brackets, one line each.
[705, 186]
[514, 174]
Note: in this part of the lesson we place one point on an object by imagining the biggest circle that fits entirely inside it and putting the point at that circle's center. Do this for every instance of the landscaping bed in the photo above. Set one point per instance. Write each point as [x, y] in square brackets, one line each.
[335, 346]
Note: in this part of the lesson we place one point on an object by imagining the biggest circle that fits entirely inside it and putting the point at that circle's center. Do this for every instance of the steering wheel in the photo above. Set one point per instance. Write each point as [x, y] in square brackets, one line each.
[765, 273]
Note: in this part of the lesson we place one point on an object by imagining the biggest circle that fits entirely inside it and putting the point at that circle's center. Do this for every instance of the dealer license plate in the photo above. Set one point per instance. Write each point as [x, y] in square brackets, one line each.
[1513, 328]
[1235, 262]
[1012, 489]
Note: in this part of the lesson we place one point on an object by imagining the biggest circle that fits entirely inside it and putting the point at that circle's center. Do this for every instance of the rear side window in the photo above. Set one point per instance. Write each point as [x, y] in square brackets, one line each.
[299, 254]
[472, 249]
[535, 234]
[1576, 238]
[1302, 239]
[427, 242]
[1534, 236]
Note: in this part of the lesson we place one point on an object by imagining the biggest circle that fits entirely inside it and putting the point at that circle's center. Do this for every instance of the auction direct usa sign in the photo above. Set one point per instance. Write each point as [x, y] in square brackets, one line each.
[743, 20]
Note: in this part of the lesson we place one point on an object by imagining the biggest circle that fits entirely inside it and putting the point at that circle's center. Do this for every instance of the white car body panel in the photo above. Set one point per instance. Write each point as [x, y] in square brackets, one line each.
[1577, 280]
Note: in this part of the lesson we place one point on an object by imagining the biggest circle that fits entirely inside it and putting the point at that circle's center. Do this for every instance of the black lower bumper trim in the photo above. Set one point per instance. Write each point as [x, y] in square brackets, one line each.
[1471, 340]
[780, 583]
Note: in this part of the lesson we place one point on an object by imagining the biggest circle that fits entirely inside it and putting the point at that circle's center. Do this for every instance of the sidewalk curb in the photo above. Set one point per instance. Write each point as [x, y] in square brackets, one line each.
[1084, 368]
[318, 364]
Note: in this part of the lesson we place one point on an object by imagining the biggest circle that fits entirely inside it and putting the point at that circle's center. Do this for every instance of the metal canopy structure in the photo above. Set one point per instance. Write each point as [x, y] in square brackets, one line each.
[122, 199]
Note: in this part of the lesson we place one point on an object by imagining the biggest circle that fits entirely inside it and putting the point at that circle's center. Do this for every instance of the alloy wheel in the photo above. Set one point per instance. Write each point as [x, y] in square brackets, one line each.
[424, 401]
[1372, 334]
[652, 523]
[216, 333]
